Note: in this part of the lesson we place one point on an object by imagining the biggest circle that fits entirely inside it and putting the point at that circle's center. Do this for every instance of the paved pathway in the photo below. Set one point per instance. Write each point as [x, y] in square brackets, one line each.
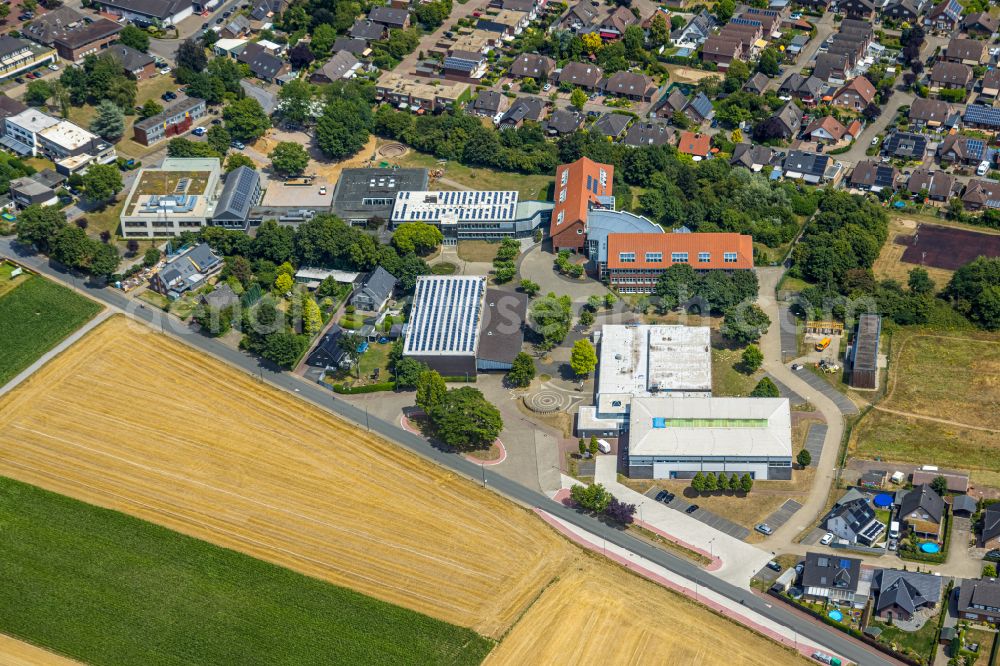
[58, 349]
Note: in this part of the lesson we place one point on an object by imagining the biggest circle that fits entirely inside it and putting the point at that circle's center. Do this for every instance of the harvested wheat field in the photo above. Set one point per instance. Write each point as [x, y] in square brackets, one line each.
[599, 613]
[137, 422]
[18, 653]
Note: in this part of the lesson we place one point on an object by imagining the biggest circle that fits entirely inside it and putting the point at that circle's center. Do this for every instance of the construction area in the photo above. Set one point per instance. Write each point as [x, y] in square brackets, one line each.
[942, 247]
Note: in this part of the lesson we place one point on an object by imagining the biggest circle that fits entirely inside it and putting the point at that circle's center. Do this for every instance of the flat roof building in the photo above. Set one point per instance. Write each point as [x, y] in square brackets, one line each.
[469, 214]
[864, 352]
[678, 437]
[363, 194]
[180, 195]
[293, 202]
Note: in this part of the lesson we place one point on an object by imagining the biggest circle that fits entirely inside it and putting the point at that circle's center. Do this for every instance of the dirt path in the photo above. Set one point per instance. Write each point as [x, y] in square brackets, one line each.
[957, 424]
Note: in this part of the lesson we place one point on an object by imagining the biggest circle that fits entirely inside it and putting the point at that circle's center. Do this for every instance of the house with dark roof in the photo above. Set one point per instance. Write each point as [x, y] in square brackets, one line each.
[328, 352]
[267, 99]
[989, 535]
[858, 9]
[489, 103]
[699, 109]
[787, 120]
[220, 298]
[722, 51]
[580, 18]
[930, 113]
[631, 85]
[262, 64]
[981, 194]
[581, 75]
[969, 52]
[945, 15]
[938, 185]
[356, 47]
[612, 125]
[563, 121]
[959, 149]
[981, 116]
[811, 167]
[832, 67]
[375, 291]
[923, 512]
[979, 600]
[950, 76]
[808, 89]
[262, 10]
[238, 27]
[240, 193]
[140, 65]
[648, 133]
[464, 65]
[904, 10]
[522, 109]
[370, 31]
[70, 34]
[186, 272]
[831, 578]
[343, 65]
[670, 104]
[390, 17]
[900, 594]
[757, 84]
[991, 83]
[854, 522]
[856, 95]
[872, 176]
[613, 25]
[752, 156]
[963, 505]
[905, 146]
[981, 24]
[149, 12]
[532, 66]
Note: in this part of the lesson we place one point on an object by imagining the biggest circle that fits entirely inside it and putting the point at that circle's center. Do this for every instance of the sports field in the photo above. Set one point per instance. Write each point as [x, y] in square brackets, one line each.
[599, 614]
[110, 589]
[34, 317]
[134, 421]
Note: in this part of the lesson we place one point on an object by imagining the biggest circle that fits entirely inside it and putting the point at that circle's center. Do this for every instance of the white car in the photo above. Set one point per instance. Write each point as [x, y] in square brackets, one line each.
[983, 167]
[796, 16]
[874, 140]
[827, 539]
[54, 67]
[165, 71]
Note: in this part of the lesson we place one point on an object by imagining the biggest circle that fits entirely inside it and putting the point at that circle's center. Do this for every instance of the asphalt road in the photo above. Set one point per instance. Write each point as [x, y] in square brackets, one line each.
[833, 640]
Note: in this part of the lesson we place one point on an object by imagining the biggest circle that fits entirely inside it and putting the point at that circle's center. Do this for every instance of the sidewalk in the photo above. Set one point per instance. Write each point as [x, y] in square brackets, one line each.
[718, 603]
[739, 560]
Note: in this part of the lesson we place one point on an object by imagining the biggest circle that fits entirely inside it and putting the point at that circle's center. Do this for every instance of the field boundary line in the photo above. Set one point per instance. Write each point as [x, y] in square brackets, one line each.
[935, 419]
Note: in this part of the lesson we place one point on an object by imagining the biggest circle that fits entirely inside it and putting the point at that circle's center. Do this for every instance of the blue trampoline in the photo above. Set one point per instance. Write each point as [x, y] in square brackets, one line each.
[930, 547]
[363, 347]
[900, 204]
[882, 500]
[835, 615]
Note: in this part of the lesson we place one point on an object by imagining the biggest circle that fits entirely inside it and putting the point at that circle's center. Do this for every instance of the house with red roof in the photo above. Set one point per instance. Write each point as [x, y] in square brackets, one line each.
[856, 95]
[697, 145]
[580, 186]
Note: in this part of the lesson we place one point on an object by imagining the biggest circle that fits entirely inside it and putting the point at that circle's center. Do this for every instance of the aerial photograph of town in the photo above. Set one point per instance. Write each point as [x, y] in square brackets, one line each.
[505, 332]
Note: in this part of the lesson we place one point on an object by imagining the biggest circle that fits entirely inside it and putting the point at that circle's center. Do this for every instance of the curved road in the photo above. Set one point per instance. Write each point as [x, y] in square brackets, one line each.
[833, 640]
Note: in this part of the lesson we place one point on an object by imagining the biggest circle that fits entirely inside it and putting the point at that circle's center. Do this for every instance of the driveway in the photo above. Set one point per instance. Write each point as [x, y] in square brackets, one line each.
[539, 266]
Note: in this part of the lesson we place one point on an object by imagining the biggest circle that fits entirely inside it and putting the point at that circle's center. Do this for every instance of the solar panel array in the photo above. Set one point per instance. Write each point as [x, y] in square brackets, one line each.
[464, 206]
[445, 315]
[238, 194]
[979, 114]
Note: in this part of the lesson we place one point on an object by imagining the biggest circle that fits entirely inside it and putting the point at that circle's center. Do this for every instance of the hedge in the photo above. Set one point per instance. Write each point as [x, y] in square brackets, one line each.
[350, 324]
[465, 379]
[368, 388]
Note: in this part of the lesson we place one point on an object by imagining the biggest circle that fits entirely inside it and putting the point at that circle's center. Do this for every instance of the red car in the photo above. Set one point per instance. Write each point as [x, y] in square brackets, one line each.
[31, 75]
[477, 14]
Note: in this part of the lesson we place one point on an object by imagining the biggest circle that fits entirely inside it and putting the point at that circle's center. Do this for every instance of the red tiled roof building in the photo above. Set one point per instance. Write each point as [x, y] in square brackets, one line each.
[635, 261]
[580, 186]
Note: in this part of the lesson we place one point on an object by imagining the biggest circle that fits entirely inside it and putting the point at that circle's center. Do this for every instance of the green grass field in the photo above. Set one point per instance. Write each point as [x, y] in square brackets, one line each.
[107, 588]
[34, 317]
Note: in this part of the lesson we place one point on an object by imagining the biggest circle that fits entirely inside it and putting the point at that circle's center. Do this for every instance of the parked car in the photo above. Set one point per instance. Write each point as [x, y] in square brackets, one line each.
[219, 20]
[165, 71]
[238, 145]
[54, 67]
[168, 96]
[660, 496]
[547, 87]
[216, 121]
[796, 16]
[893, 544]
[797, 366]
[691, 509]
[764, 529]
[773, 566]
[874, 140]
[827, 539]
[18, 79]
[198, 131]
[983, 167]
[799, 568]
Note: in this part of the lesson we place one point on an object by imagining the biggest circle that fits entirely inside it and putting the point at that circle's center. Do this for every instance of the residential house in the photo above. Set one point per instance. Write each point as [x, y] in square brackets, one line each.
[808, 89]
[904, 10]
[412, 92]
[695, 32]
[959, 149]
[367, 30]
[757, 84]
[856, 95]
[563, 121]
[507, 23]
[854, 522]
[489, 103]
[905, 146]
[950, 75]
[71, 35]
[964, 506]
[970, 52]
[631, 85]
[581, 75]
[391, 17]
[752, 156]
[523, 108]
[981, 194]
[979, 600]
[831, 579]
[873, 176]
[264, 11]
[811, 167]
[464, 65]
[343, 65]
[580, 18]
[858, 9]
[262, 64]
[989, 536]
[938, 185]
[980, 116]
[826, 129]
[27, 191]
[699, 109]
[981, 24]
[532, 66]
[787, 122]
[928, 113]
[328, 352]
[356, 47]
[139, 65]
[991, 83]
[670, 104]
[923, 512]
[612, 125]
[900, 594]
[267, 99]
[614, 24]
[649, 133]
[832, 67]
[238, 27]
[148, 12]
[944, 16]
[375, 291]
[186, 271]
[722, 51]
[172, 121]
[220, 298]
[768, 19]
[697, 145]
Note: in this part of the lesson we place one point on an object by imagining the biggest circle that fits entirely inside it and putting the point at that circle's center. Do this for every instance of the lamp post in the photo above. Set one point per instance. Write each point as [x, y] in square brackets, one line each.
[482, 466]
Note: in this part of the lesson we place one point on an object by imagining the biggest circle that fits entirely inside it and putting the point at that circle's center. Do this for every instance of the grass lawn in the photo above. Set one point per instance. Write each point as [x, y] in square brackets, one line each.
[7, 283]
[34, 318]
[155, 299]
[40, 163]
[920, 641]
[984, 639]
[184, 306]
[477, 250]
[792, 283]
[377, 356]
[108, 219]
[726, 379]
[103, 587]
[443, 268]
[530, 187]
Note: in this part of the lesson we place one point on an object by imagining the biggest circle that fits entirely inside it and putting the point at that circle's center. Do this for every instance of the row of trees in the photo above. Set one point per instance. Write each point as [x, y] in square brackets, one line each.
[46, 229]
[710, 483]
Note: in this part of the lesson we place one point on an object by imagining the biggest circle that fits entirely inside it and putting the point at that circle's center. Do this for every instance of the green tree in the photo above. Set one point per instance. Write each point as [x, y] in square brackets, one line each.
[522, 370]
[71, 247]
[323, 37]
[680, 119]
[135, 37]
[236, 160]
[284, 348]
[295, 100]
[109, 122]
[343, 128]
[191, 55]
[38, 226]
[920, 282]
[151, 256]
[407, 371]
[765, 389]
[989, 571]
[698, 482]
[219, 139]
[312, 319]
[586, 318]
[770, 62]
[245, 119]
[583, 358]
[289, 158]
[745, 324]
[940, 485]
[722, 481]
[753, 358]
[676, 285]
[974, 291]
[351, 345]
[724, 10]
[582, 447]
[417, 237]
[578, 98]
[431, 390]
[746, 483]
[610, 300]
[529, 287]
[102, 182]
[711, 483]
[593, 497]
[150, 108]
[734, 482]
[592, 447]
[551, 317]
[659, 32]
[804, 458]
[104, 259]
[464, 419]
[37, 93]
[283, 283]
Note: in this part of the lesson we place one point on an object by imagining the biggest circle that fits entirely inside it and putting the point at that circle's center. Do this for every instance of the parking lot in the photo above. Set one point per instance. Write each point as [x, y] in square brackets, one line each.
[814, 441]
[705, 516]
[782, 514]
